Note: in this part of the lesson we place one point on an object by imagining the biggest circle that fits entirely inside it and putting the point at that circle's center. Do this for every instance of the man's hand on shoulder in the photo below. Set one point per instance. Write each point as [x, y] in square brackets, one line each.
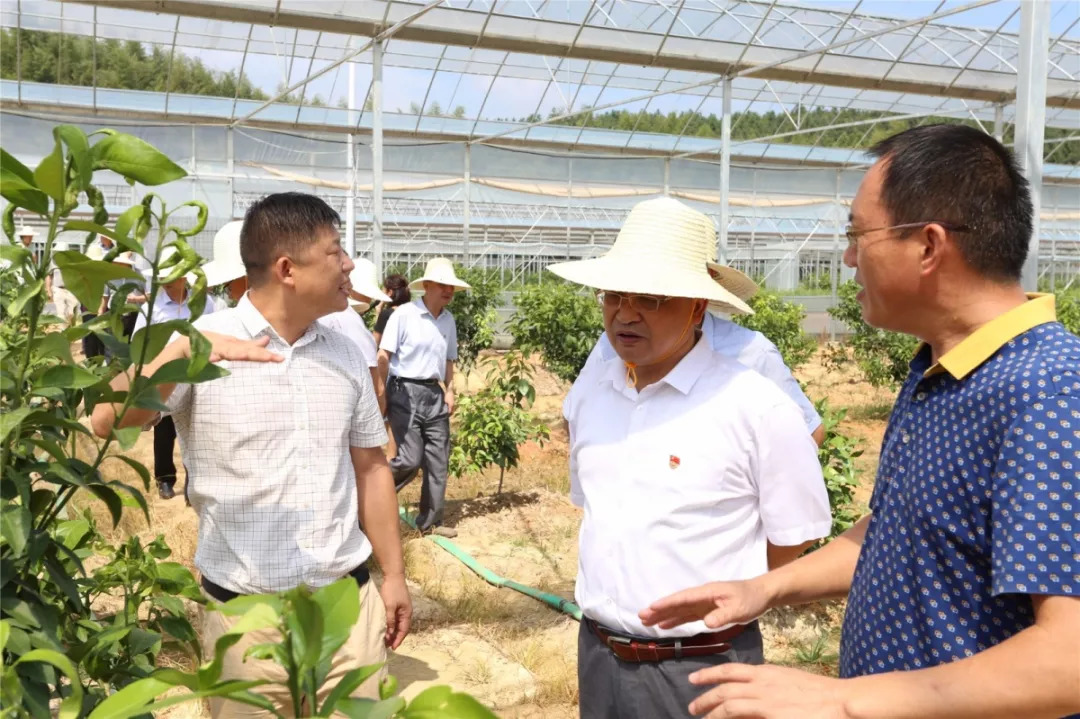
[224, 347]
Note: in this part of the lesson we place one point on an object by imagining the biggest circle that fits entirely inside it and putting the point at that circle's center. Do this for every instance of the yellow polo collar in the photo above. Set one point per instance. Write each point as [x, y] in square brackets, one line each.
[977, 347]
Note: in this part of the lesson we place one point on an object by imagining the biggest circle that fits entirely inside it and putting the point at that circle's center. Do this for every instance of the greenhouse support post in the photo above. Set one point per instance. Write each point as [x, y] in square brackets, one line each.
[377, 156]
[725, 171]
[1031, 116]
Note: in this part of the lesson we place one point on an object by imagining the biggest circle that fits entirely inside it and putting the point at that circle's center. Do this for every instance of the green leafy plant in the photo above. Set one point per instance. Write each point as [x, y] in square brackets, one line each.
[313, 626]
[561, 323]
[881, 356]
[781, 322]
[474, 314]
[48, 592]
[64, 650]
[1068, 309]
[491, 425]
[837, 457]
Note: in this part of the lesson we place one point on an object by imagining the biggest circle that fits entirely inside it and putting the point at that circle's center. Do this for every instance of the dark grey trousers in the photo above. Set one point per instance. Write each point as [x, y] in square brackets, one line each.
[420, 423]
[612, 689]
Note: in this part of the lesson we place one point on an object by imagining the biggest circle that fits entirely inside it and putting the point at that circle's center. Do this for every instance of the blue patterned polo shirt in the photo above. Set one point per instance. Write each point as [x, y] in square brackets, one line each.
[977, 500]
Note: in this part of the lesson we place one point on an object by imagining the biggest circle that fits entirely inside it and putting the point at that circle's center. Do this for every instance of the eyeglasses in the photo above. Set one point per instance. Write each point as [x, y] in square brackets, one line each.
[638, 303]
[853, 235]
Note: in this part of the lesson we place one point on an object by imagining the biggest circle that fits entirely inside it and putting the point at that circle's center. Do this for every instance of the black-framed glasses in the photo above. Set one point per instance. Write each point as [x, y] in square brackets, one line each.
[638, 303]
[853, 235]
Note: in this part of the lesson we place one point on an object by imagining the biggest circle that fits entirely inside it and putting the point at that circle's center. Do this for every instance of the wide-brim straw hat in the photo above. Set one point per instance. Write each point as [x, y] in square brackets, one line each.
[26, 230]
[734, 281]
[664, 248]
[439, 270]
[226, 265]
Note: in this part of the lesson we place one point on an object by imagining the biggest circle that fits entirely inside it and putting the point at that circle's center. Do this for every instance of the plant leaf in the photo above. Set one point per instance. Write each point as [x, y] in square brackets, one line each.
[12, 419]
[77, 144]
[346, 686]
[86, 278]
[15, 525]
[67, 377]
[135, 159]
[17, 185]
[70, 705]
[49, 175]
[340, 606]
[130, 700]
[27, 293]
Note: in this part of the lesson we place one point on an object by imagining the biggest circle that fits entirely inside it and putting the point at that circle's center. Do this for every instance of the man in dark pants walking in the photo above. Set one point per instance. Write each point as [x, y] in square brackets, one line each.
[417, 352]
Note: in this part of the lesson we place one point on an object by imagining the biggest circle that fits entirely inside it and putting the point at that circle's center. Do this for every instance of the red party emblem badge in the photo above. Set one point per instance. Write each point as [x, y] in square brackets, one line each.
[674, 462]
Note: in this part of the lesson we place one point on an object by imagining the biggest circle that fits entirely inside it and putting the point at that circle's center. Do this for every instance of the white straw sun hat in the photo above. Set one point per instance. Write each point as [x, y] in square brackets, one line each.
[167, 253]
[439, 270]
[226, 264]
[365, 281]
[662, 249]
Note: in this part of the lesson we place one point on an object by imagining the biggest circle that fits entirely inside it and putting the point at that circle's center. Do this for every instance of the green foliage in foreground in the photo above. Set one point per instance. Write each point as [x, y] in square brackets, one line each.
[60, 657]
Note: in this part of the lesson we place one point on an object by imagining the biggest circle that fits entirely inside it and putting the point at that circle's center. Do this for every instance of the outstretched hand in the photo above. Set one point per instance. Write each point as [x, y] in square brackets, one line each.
[768, 692]
[717, 603]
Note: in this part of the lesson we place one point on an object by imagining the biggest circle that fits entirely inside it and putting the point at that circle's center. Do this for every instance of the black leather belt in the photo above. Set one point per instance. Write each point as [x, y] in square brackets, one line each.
[411, 380]
[220, 594]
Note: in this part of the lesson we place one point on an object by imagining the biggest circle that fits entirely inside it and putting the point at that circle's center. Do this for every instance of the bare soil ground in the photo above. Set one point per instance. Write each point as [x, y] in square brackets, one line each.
[511, 651]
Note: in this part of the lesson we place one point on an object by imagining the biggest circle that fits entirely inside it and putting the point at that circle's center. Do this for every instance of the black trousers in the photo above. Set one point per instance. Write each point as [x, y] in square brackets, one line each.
[614, 689]
[420, 423]
[164, 440]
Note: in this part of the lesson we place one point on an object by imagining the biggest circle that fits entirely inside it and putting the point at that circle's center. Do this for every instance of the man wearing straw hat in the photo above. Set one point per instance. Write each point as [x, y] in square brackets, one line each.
[417, 352]
[747, 346]
[365, 290]
[687, 464]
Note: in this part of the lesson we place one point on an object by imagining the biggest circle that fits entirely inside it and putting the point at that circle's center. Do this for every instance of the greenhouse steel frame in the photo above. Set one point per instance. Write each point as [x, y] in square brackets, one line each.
[584, 57]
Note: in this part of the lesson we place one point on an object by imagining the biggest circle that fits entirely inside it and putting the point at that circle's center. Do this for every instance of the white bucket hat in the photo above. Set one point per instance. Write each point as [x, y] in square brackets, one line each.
[365, 281]
[27, 230]
[663, 249]
[439, 270]
[226, 265]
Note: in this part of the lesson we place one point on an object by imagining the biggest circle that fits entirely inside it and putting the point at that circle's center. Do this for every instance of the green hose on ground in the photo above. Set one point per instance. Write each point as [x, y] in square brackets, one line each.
[555, 602]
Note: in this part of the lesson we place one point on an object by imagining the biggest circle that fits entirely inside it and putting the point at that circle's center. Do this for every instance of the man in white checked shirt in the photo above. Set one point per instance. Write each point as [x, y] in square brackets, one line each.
[287, 447]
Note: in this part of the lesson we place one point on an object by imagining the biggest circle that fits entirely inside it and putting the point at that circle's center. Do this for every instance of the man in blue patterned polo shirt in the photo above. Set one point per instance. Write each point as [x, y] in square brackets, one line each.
[963, 583]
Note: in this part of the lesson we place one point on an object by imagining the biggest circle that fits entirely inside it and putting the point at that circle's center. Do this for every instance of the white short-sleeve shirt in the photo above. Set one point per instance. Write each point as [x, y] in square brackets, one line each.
[268, 447]
[748, 347]
[419, 343]
[349, 323]
[684, 483]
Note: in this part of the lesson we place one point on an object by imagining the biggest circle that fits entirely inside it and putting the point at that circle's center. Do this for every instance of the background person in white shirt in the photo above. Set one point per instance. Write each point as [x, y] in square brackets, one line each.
[287, 448]
[349, 322]
[171, 303]
[417, 351]
[226, 268]
[686, 463]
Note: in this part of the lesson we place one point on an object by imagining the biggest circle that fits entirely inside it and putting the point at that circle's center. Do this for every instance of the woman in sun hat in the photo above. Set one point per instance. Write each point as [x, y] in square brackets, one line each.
[364, 279]
[226, 269]
[416, 353]
[688, 465]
